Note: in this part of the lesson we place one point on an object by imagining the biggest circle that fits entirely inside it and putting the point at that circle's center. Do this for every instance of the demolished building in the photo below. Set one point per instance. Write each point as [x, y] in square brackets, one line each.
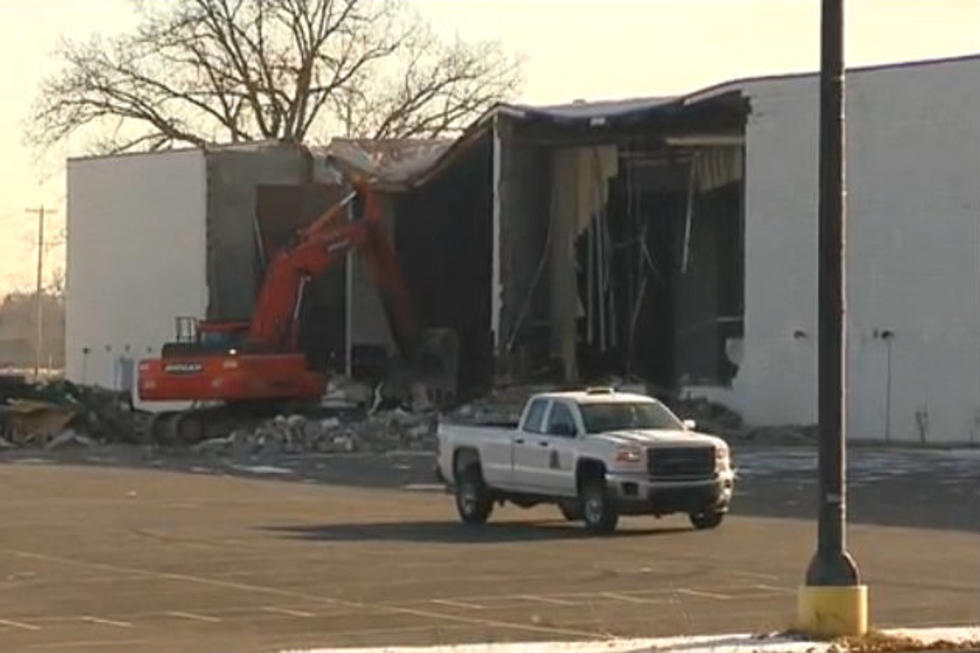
[668, 239]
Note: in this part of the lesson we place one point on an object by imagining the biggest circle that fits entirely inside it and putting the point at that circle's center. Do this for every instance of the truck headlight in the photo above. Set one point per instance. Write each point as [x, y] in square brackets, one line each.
[722, 457]
[629, 455]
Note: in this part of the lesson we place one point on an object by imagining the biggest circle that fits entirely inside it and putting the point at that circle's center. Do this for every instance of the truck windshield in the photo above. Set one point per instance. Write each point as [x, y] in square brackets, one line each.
[619, 416]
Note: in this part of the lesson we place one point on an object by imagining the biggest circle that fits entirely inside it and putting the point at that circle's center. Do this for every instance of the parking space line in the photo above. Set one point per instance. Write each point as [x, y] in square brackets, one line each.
[752, 574]
[287, 611]
[309, 596]
[17, 624]
[100, 643]
[546, 599]
[702, 594]
[630, 599]
[106, 622]
[457, 604]
[194, 617]
[773, 588]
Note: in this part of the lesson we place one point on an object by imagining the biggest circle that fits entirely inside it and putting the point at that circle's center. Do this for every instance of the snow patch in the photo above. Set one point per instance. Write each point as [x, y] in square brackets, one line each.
[261, 469]
[694, 644]
[700, 644]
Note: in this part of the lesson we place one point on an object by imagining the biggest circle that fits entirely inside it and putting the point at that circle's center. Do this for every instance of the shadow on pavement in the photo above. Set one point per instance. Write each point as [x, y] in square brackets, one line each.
[446, 531]
[888, 487]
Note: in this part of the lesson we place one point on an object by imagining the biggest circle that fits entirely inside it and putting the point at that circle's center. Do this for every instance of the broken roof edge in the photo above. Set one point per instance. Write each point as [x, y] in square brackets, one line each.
[389, 163]
[633, 106]
[576, 113]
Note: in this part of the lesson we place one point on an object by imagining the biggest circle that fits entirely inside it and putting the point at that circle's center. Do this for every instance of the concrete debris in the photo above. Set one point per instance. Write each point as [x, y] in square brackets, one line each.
[502, 407]
[68, 438]
[711, 417]
[342, 392]
[5, 443]
[420, 398]
[782, 435]
[213, 445]
[396, 430]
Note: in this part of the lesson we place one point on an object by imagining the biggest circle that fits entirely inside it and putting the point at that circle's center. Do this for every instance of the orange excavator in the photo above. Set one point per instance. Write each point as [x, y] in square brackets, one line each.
[256, 366]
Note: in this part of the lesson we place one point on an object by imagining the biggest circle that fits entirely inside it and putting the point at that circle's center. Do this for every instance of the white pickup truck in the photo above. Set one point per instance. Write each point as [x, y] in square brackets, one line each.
[596, 454]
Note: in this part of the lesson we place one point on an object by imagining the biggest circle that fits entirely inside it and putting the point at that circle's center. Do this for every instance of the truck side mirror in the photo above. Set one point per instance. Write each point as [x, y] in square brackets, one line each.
[690, 424]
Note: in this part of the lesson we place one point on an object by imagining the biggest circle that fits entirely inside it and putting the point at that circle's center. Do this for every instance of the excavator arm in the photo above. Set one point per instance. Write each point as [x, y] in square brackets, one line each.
[275, 320]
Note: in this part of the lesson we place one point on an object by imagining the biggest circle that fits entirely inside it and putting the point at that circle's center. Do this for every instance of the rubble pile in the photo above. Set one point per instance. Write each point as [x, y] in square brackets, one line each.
[502, 407]
[396, 430]
[719, 420]
[711, 417]
[57, 413]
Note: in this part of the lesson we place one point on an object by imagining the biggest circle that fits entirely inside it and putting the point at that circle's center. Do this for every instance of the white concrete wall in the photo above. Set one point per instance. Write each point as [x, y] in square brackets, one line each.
[913, 179]
[136, 257]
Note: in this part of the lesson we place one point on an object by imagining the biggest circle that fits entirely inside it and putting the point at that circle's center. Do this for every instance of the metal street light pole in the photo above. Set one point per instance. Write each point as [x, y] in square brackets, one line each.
[833, 601]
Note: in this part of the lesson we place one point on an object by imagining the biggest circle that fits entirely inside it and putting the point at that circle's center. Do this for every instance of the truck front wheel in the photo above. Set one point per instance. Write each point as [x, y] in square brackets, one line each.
[707, 519]
[472, 499]
[598, 510]
[571, 510]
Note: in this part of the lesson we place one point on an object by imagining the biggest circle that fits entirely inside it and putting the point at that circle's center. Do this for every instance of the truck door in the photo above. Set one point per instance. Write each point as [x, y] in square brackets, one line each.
[558, 474]
[527, 455]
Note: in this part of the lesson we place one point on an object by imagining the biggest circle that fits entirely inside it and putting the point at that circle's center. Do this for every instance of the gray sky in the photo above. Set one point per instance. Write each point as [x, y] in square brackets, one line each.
[588, 49]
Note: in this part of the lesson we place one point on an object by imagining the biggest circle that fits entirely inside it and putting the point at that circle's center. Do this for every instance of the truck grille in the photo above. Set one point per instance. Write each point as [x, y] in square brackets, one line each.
[681, 462]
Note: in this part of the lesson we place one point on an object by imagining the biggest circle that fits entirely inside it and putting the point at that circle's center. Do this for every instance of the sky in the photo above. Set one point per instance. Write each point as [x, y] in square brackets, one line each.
[572, 49]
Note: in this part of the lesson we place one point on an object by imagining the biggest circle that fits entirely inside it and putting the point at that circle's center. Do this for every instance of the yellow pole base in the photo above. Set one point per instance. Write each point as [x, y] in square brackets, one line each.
[827, 611]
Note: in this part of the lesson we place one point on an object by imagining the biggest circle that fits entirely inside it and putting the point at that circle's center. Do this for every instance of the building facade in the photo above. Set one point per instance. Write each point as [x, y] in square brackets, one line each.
[669, 240]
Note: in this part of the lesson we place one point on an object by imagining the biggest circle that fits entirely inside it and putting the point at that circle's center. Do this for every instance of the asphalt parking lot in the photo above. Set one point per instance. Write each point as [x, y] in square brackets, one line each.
[127, 550]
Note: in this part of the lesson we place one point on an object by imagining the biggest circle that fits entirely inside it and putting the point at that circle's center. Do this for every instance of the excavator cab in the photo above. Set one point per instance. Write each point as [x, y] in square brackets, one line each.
[205, 337]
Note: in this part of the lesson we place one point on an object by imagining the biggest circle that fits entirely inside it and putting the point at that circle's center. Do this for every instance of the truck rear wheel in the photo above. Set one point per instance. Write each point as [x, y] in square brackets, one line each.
[598, 509]
[473, 502]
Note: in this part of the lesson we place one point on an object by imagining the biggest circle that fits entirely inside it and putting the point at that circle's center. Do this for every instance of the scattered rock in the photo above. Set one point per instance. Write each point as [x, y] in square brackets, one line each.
[421, 402]
[69, 438]
[342, 392]
[213, 445]
[343, 443]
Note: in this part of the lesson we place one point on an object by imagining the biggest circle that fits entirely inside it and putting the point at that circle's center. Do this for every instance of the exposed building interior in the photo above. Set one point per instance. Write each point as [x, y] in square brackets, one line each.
[444, 237]
[564, 244]
[621, 242]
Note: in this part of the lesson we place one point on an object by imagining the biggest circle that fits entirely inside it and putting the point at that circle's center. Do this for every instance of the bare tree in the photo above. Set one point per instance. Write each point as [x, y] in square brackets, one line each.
[204, 71]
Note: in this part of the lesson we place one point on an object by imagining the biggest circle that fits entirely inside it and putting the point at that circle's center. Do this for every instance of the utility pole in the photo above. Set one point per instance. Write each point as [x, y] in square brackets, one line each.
[833, 602]
[38, 299]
